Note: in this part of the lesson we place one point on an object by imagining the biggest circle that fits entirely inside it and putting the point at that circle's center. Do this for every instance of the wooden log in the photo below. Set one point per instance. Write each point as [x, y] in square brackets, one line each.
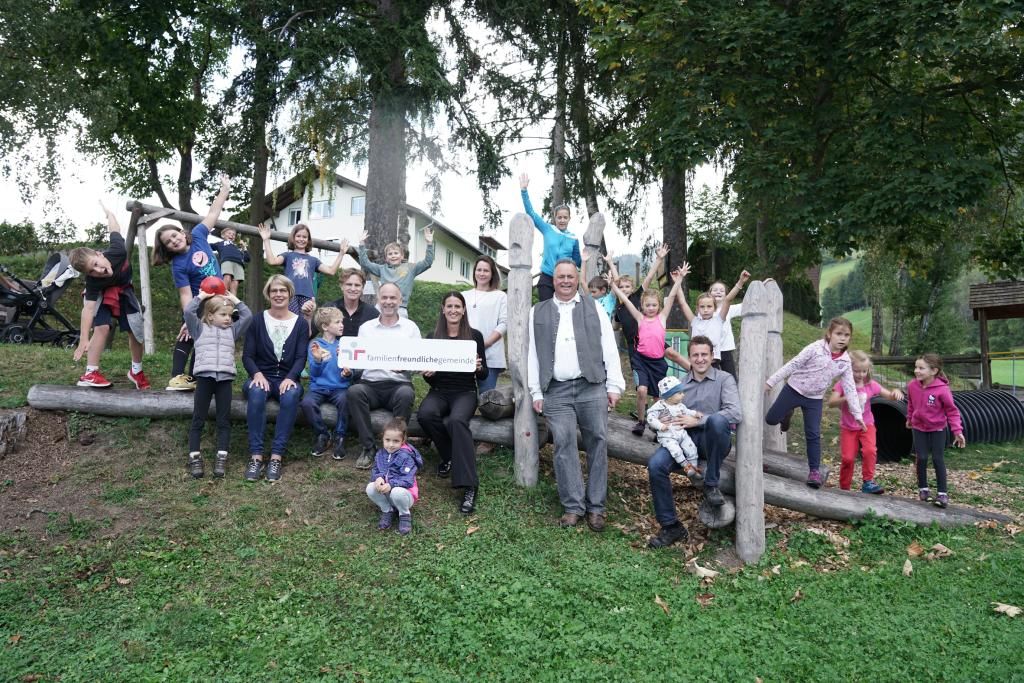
[592, 239]
[774, 437]
[520, 300]
[717, 517]
[497, 403]
[12, 428]
[750, 542]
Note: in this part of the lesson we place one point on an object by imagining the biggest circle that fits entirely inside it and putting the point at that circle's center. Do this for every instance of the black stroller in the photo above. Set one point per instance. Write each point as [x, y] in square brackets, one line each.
[27, 306]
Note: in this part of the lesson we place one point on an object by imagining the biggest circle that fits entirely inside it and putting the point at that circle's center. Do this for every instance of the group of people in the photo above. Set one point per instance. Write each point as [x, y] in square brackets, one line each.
[574, 372]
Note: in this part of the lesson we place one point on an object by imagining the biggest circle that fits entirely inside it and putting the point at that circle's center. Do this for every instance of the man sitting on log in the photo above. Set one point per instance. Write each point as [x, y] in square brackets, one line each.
[712, 393]
[574, 377]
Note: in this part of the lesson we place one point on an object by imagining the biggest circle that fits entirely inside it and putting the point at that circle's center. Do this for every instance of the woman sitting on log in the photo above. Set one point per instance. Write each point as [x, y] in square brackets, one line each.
[453, 396]
[274, 356]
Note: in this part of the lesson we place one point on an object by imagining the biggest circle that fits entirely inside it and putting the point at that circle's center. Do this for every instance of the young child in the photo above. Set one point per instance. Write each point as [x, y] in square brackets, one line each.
[393, 479]
[598, 287]
[810, 374]
[711, 317]
[233, 258]
[394, 269]
[559, 243]
[851, 436]
[674, 439]
[930, 408]
[108, 295]
[327, 382]
[718, 290]
[192, 261]
[215, 336]
[299, 266]
[648, 360]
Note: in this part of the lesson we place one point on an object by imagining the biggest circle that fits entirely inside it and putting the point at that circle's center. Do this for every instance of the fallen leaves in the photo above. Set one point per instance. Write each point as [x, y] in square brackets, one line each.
[938, 552]
[700, 572]
[908, 568]
[915, 549]
[1013, 529]
[472, 530]
[797, 596]
[122, 581]
[14, 639]
[661, 603]
[704, 599]
[1009, 610]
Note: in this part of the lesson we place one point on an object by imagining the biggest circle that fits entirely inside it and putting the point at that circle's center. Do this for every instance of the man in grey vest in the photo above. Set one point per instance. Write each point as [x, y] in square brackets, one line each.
[575, 378]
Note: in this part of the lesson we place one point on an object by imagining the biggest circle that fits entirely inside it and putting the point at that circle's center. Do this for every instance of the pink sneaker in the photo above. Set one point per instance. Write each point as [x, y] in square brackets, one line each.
[93, 378]
[139, 379]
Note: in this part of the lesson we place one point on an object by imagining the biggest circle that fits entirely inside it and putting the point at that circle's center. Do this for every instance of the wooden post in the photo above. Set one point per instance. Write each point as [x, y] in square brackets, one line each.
[520, 300]
[749, 435]
[774, 437]
[148, 346]
[592, 246]
[986, 362]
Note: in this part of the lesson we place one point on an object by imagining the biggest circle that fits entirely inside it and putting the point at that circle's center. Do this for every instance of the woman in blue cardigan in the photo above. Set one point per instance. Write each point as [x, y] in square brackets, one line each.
[274, 355]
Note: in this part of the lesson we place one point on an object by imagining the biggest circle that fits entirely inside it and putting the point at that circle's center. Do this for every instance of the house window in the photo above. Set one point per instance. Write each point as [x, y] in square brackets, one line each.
[488, 250]
[294, 216]
[321, 209]
[448, 258]
[358, 206]
[464, 268]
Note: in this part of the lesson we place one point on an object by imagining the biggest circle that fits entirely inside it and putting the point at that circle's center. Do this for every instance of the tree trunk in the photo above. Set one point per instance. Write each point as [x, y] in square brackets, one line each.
[259, 112]
[580, 111]
[896, 338]
[876, 325]
[558, 154]
[673, 216]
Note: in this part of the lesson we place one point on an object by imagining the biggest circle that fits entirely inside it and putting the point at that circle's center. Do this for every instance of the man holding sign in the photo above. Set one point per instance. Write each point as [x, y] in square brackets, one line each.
[575, 377]
[390, 389]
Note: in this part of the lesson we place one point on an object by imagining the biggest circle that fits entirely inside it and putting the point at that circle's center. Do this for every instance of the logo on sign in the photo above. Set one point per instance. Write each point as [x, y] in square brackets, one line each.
[352, 352]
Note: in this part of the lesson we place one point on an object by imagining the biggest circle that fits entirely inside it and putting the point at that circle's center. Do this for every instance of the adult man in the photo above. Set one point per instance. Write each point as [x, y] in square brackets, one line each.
[574, 378]
[712, 393]
[382, 388]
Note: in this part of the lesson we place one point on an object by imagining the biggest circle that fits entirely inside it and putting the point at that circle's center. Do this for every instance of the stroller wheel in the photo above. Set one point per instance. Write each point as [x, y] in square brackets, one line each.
[67, 340]
[17, 334]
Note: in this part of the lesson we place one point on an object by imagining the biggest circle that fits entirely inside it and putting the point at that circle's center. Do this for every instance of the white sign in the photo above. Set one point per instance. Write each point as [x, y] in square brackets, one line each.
[393, 353]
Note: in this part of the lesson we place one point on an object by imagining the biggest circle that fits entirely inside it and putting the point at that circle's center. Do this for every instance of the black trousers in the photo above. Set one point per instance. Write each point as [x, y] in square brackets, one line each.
[396, 397]
[183, 355]
[934, 443]
[208, 388]
[545, 287]
[729, 363]
[452, 437]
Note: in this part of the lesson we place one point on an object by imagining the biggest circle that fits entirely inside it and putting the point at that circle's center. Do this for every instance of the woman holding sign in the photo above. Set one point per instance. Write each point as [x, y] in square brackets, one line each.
[453, 395]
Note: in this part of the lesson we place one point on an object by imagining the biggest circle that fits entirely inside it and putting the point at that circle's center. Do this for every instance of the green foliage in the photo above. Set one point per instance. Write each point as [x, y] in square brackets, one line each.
[845, 295]
[799, 298]
[17, 238]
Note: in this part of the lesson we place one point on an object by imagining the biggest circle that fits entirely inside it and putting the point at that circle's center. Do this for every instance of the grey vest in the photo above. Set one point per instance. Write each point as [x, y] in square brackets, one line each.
[587, 328]
[215, 353]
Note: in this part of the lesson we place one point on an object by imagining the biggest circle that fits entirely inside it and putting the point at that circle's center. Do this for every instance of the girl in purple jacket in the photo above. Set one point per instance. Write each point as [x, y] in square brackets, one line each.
[811, 374]
[393, 484]
[930, 408]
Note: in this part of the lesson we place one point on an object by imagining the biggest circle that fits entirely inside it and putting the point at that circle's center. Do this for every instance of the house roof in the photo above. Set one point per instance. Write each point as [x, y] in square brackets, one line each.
[293, 189]
[999, 300]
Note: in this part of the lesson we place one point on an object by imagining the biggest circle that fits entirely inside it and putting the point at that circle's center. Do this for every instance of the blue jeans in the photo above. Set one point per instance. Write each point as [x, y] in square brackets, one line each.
[713, 441]
[311, 409]
[256, 414]
[568, 405]
[490, 381]
[788, 401]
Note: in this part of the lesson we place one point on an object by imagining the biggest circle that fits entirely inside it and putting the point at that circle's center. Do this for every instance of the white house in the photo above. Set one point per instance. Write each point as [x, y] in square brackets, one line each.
[336, 213]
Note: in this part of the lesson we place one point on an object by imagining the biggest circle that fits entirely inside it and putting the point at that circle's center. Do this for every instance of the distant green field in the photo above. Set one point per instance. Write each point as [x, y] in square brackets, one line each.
[833, 272]
[1003, 372]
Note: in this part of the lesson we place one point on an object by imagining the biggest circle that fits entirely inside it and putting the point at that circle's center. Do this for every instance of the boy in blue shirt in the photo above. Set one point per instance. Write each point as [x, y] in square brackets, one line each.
[327, 382]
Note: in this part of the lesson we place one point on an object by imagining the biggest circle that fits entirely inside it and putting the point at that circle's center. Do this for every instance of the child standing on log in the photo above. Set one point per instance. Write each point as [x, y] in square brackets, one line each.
[648, 360]
[396, 271]
[810, 374]
[930, 408]
[192, 261]
[718, 290]
[851, 437]
[232, 258]
[559, 243]
[327, 382]
[215, 336]
[108, 294]
[711, 318]
[300, 267]
[393, 486]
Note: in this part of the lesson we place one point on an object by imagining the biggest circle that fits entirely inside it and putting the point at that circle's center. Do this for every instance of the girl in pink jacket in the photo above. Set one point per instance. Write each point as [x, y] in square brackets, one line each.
[810, 374]
[930, 408]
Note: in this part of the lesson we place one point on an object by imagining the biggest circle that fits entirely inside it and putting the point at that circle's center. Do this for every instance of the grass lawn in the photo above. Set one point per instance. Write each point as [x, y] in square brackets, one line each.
[833, 272]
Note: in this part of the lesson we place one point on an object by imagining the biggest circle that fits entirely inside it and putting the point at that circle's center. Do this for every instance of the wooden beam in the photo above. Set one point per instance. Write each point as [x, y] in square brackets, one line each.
[750, 542]
[986, 361]
[520, 300]
[592, 239]
[774, 437]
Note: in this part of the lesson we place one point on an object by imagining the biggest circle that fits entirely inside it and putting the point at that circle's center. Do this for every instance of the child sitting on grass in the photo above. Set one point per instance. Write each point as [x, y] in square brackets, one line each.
[395, 270]
[393, 484]
[675, 439]
[327, 382]
[108, 294]
[851, 436]
[215, 336]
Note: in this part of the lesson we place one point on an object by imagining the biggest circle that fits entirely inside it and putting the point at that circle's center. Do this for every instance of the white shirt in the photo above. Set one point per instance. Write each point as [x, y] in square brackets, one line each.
[567, 363]
[728, 341]
[487, 313]
[374, 328]
[712, 329]
[279, 331]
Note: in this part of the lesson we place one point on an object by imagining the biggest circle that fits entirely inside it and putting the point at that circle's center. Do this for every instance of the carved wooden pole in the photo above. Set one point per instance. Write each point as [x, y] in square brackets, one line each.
[774, 437]
[749, 435]
[148, 346]
[592, 246]
[520, 299]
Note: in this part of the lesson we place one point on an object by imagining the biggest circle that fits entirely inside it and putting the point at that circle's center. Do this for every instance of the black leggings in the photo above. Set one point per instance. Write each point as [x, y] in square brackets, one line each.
[206, 389]
[935, 443]
[729, 363]
[545, 287]
[182, 354]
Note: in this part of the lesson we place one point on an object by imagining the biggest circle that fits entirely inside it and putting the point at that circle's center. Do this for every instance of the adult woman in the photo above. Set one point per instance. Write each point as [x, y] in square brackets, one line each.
[354, 311]
[453, 395]
[274, 356]
[487, 309]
